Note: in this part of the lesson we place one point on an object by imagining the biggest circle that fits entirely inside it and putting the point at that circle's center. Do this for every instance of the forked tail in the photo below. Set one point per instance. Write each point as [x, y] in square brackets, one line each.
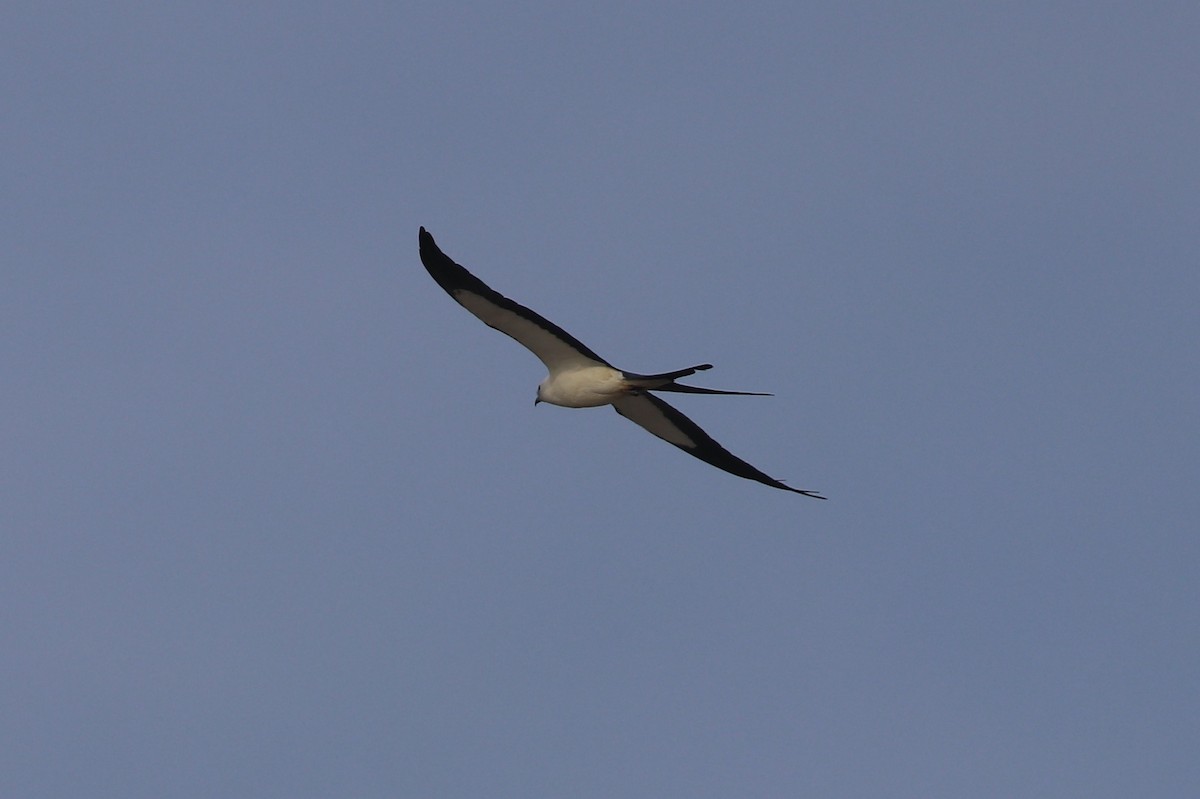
[666, 382]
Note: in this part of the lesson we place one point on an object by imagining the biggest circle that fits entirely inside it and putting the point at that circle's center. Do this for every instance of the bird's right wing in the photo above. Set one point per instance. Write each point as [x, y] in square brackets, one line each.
[555, 347]
[664, 421]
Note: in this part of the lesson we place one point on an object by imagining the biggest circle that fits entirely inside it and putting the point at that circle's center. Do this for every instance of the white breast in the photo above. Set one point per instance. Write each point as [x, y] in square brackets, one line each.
[587, 387]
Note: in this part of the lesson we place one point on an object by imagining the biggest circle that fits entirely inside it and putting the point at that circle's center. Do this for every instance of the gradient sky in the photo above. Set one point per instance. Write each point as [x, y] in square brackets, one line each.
[280, 519]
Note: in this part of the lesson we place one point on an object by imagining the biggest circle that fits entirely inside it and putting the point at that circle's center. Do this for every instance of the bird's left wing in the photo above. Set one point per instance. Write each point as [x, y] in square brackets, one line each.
[556, 348]
[670, 425]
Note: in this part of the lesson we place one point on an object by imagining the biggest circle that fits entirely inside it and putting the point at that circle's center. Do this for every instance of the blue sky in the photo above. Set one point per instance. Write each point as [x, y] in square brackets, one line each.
[280, 519]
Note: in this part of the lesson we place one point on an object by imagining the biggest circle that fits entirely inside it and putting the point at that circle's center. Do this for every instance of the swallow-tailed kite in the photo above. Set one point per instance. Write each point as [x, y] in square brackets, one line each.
[579, 378]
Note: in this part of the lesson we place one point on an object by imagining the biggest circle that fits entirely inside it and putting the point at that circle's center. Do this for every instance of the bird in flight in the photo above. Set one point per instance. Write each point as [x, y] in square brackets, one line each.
[579, 378]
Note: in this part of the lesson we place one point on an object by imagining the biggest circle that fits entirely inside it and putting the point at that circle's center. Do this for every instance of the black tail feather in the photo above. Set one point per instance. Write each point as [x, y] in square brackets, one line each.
[666, 382]
[682, 389]
[666, 377]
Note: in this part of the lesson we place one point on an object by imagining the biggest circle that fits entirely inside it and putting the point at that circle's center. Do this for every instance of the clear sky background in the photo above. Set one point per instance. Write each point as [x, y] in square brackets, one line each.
[279, 519]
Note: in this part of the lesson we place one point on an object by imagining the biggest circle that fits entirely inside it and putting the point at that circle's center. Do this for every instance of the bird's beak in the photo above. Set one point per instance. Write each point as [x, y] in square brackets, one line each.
[536, 400]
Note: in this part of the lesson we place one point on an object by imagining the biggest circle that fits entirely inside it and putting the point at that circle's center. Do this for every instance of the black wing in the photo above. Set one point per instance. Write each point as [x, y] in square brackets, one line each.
[555, 347]
[670, 425]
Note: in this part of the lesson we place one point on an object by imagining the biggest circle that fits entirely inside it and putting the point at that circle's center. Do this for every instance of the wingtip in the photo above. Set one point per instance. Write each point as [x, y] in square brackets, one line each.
[426, 245]
[813, 494]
